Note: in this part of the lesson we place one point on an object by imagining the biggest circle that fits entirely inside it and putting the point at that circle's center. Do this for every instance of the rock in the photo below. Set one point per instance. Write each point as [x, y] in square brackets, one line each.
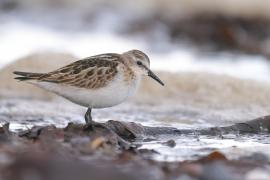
[217, 171]
[4, 133]
[214, 156]
[255, 126]
[171, 143]
[51, 167]
[259, 157]
[259, 125]
[129, 130]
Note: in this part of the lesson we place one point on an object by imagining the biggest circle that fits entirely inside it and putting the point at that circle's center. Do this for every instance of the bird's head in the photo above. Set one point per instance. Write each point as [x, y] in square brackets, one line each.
[140, 64]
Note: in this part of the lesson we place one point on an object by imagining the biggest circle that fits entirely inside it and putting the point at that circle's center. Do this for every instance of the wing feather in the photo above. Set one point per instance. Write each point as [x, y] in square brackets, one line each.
[91, 73]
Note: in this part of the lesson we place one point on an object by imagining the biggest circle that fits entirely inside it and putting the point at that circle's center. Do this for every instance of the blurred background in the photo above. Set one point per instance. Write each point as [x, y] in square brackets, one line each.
[224, 37]
[212, 55]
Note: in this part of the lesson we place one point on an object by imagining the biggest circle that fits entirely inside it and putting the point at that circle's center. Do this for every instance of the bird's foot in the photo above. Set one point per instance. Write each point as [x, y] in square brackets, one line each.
[89, 125]
[92, 124]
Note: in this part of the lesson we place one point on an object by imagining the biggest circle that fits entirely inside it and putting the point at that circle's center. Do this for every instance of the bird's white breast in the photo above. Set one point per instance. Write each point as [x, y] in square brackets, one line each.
[115, 92]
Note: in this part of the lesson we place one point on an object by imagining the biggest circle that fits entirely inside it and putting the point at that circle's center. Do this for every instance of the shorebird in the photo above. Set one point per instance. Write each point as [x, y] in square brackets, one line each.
[94, 82]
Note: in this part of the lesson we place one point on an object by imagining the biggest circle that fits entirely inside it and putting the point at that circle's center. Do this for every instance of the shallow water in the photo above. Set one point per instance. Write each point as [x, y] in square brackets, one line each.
[192, 147]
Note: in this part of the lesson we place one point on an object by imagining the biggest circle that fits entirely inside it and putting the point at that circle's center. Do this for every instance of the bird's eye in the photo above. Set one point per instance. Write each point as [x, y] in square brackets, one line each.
[139, 63]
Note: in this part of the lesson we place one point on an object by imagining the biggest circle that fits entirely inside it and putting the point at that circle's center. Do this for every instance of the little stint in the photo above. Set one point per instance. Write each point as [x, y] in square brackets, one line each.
[99, 81]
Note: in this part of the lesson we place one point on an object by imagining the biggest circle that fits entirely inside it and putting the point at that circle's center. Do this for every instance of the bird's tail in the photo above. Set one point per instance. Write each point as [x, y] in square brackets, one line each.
[24, 76]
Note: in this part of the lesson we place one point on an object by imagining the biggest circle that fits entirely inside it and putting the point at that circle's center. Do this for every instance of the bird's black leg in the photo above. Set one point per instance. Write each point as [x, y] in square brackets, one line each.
[88, 116]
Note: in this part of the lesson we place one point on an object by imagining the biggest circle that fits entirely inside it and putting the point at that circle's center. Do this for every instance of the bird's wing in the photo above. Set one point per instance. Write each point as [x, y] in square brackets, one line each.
[92, 73]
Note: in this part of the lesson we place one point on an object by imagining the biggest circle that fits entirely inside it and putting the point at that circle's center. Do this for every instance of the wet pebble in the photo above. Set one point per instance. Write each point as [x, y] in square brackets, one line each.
[260, 157]
[171, 143]
[217, 171]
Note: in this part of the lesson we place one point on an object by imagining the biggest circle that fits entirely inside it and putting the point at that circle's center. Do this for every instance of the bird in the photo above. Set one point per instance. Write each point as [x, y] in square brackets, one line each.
[99, 81]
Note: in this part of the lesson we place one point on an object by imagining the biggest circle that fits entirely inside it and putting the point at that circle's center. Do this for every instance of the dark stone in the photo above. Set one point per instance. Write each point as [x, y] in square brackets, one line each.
[217, 171]
[171, 143]
[5, 134]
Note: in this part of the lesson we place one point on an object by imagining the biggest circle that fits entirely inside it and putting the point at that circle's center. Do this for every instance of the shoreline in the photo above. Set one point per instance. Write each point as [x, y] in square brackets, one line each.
[109, 145]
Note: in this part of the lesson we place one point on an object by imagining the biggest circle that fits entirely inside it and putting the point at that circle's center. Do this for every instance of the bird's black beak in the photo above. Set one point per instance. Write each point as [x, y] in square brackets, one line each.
[152, 75]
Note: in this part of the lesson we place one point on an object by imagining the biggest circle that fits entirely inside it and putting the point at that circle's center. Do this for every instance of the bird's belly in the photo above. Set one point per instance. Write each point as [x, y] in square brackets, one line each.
[110, 95]
[100, 98]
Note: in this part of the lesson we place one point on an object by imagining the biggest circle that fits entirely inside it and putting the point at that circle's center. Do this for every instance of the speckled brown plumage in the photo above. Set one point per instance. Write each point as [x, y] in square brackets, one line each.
[93, 72]
[128, 75]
